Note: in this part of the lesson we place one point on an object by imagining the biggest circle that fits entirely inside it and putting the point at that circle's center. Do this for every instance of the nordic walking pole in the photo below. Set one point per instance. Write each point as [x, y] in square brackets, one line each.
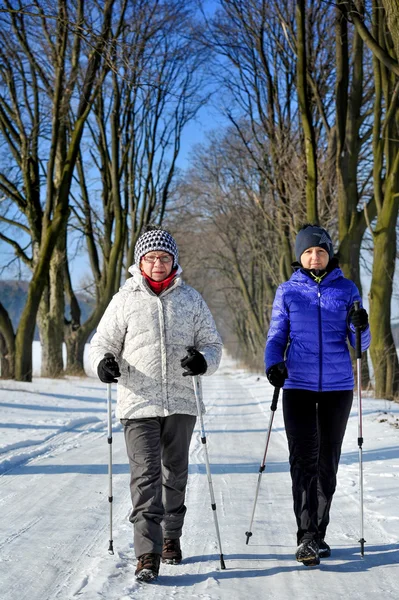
[273, 407]
[208, 469]
[360, 427]
[109, 437]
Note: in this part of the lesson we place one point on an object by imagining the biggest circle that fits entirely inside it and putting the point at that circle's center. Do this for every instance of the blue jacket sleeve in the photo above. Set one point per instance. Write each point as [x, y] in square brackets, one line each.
[365, 336]
[277, 337]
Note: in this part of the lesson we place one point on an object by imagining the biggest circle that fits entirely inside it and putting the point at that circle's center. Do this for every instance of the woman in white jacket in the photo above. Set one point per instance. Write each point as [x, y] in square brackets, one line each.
[159, 331]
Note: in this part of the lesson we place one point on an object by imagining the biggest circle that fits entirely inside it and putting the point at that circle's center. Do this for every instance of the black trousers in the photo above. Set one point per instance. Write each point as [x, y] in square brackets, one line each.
[315, 424]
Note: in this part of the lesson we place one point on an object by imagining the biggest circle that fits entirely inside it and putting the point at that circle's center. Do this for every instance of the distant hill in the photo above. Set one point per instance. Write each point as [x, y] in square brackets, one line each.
[13, 298]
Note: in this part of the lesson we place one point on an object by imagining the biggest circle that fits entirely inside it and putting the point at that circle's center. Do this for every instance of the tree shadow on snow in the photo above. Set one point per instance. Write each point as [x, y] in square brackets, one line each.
[380, 555]
[387, 453]
[240, 557]
[31, 426]
[50, 409]
[83, 469]
[232, 572]
[253, 468]
[349, 557]
[97, 399]
[261, 402]
[240, 431]
[263, 570]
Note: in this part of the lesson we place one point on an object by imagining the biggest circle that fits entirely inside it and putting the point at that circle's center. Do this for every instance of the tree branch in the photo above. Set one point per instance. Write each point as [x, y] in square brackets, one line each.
[383, 56]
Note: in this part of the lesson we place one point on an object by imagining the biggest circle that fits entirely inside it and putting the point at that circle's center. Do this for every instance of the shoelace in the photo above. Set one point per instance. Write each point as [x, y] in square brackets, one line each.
[307, 537]
[149, 561]
[170, 545]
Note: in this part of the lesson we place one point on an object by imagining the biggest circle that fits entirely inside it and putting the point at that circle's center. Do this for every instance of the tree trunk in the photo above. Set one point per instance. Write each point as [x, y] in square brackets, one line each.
[40, 278]
[77, 335]
[23, 348]
[386, 195]
[55, 227]
[382, 349]
[75, 343]
[6, 360]
[7, 345]
[392, 12]
[50, 318]
[348, 107]
[6, 366]
[306, 115]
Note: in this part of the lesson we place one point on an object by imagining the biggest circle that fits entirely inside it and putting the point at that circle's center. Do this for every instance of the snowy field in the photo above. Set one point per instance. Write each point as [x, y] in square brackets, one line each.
[54, 507]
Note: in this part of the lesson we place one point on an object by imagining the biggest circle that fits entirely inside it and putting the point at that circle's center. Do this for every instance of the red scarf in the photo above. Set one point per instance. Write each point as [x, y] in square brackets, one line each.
[158, 286]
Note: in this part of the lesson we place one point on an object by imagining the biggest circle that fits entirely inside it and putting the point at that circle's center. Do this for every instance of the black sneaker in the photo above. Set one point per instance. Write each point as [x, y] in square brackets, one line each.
[324, 549]
[171, 552]
[148, 567]
[308, 553]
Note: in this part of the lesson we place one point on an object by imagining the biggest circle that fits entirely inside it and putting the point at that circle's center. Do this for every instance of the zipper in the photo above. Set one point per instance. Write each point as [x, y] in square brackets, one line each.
[320, 342]
[165, 400]
[169, 289]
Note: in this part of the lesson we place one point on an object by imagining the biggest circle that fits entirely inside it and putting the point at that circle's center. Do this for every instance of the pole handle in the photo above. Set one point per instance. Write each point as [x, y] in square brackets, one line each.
[358, 334]
[276, 393]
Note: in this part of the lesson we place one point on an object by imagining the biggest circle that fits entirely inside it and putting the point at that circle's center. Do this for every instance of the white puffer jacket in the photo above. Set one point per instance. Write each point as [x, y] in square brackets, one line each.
[148, 335]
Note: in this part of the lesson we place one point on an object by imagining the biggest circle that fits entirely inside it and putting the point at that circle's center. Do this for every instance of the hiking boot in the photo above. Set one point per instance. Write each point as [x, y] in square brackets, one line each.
[171, 552]
[324, 549]
[308, 552]
[148, 567]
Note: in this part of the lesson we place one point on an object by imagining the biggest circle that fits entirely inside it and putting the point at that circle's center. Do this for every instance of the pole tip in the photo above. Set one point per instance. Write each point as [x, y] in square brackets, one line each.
[111, 547]
[222, 565]
[248, 534]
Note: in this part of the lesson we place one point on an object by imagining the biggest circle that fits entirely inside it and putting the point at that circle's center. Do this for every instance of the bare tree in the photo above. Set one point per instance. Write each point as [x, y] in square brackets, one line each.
[383, 44]
[257, 72]
[41, 58]
[314, 158]
[227, 239]
[265, 49]
[305, 105]
[154, 89]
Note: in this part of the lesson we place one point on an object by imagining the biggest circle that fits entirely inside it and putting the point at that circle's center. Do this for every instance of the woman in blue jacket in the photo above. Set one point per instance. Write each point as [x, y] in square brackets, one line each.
[307, 353]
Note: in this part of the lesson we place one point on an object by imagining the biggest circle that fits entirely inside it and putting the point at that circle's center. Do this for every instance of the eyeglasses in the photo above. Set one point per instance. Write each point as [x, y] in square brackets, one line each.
[163, 259]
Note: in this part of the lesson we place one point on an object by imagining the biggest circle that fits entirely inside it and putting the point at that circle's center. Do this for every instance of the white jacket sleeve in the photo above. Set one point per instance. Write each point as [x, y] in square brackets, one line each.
[111, 331]
[207, 338]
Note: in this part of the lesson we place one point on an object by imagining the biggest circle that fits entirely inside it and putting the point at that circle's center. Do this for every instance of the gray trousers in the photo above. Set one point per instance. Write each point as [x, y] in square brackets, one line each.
[158, 450]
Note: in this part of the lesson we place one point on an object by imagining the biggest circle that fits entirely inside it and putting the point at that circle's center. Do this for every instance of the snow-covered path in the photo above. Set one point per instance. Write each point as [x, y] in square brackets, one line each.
[54, 508]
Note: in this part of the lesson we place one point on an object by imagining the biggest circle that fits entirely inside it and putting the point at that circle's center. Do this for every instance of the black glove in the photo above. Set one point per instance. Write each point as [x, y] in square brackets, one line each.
[359, 318]
[108, 369]
[277, 374]
[194, 362]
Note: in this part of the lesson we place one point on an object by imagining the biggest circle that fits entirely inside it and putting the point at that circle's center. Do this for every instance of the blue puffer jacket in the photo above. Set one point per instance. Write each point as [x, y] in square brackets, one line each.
[312, 320]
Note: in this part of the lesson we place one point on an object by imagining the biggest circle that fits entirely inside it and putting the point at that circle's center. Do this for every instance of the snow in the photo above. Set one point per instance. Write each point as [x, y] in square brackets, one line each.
[54, 526]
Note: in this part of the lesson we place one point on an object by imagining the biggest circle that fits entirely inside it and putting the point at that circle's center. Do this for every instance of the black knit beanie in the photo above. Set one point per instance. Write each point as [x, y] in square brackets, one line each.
[312, 236]
[155, 238]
